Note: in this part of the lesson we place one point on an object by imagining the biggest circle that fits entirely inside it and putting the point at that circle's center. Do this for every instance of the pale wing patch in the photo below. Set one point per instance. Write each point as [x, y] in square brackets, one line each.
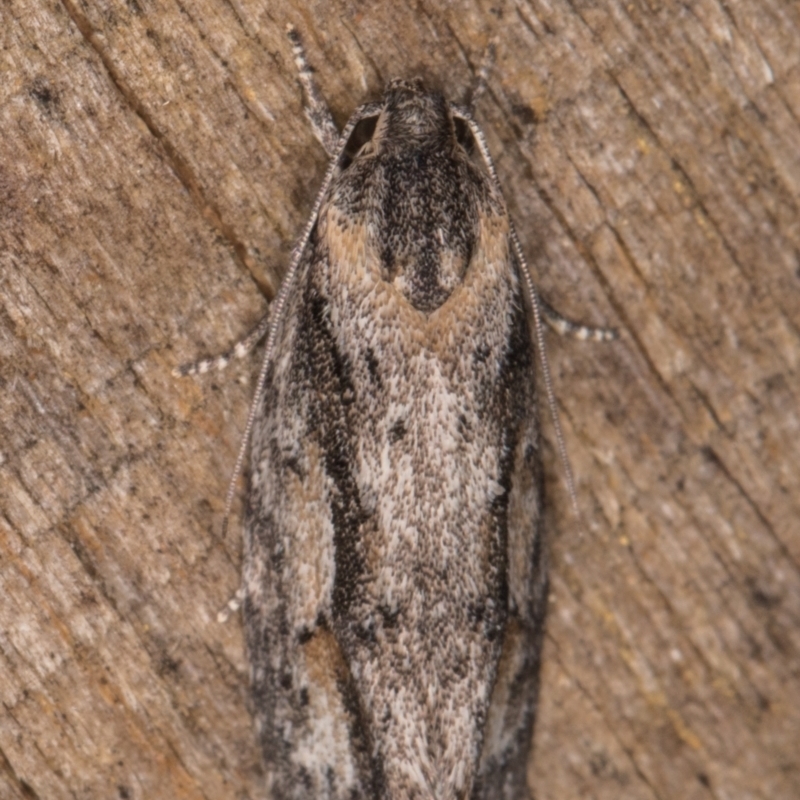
[327, 743]
[311, 540]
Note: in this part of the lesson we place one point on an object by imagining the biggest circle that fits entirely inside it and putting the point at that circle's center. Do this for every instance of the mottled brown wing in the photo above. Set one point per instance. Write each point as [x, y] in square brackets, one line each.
[392, 546]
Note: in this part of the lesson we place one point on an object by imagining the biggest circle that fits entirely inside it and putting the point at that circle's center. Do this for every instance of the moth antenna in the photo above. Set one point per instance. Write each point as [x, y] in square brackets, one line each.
[548, 381]
[480, 139]
[276, 312]
[316, 108]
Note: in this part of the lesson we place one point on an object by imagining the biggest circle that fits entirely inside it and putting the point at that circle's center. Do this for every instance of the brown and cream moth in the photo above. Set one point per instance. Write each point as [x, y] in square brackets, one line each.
[395, 576]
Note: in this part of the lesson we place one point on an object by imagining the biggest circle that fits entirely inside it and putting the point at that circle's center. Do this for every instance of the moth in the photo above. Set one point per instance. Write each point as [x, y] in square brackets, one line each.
[395, 576]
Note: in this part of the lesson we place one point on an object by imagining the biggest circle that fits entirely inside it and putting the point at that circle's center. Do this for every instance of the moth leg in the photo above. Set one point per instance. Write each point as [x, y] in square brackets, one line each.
[557, 321]
[482, 77]
[232, 606]
[317, 111]
[566, 327]
[239, 350]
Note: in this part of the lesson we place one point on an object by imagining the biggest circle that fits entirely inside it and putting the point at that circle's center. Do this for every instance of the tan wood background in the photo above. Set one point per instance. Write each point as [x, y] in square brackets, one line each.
[155, 168]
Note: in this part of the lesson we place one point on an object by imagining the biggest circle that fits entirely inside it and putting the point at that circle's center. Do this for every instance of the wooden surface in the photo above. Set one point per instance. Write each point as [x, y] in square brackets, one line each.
[155, 169]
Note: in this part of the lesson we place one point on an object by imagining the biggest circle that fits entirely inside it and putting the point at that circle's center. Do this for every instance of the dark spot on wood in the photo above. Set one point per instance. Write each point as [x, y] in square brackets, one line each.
[525, 114]
[762, 597]
[27, 790]
[43, 94]
[167, 665]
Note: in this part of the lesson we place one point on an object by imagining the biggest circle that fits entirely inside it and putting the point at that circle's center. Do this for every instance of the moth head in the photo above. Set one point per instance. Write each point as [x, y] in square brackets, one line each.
[413, 117]
[410, 117]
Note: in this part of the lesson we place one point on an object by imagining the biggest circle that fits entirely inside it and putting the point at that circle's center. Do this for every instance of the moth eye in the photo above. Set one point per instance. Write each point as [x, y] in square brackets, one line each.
[362, 134]
[464, 135]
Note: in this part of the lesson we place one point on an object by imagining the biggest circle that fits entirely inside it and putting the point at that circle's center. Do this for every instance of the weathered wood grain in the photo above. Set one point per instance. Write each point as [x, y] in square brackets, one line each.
[155, 168]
